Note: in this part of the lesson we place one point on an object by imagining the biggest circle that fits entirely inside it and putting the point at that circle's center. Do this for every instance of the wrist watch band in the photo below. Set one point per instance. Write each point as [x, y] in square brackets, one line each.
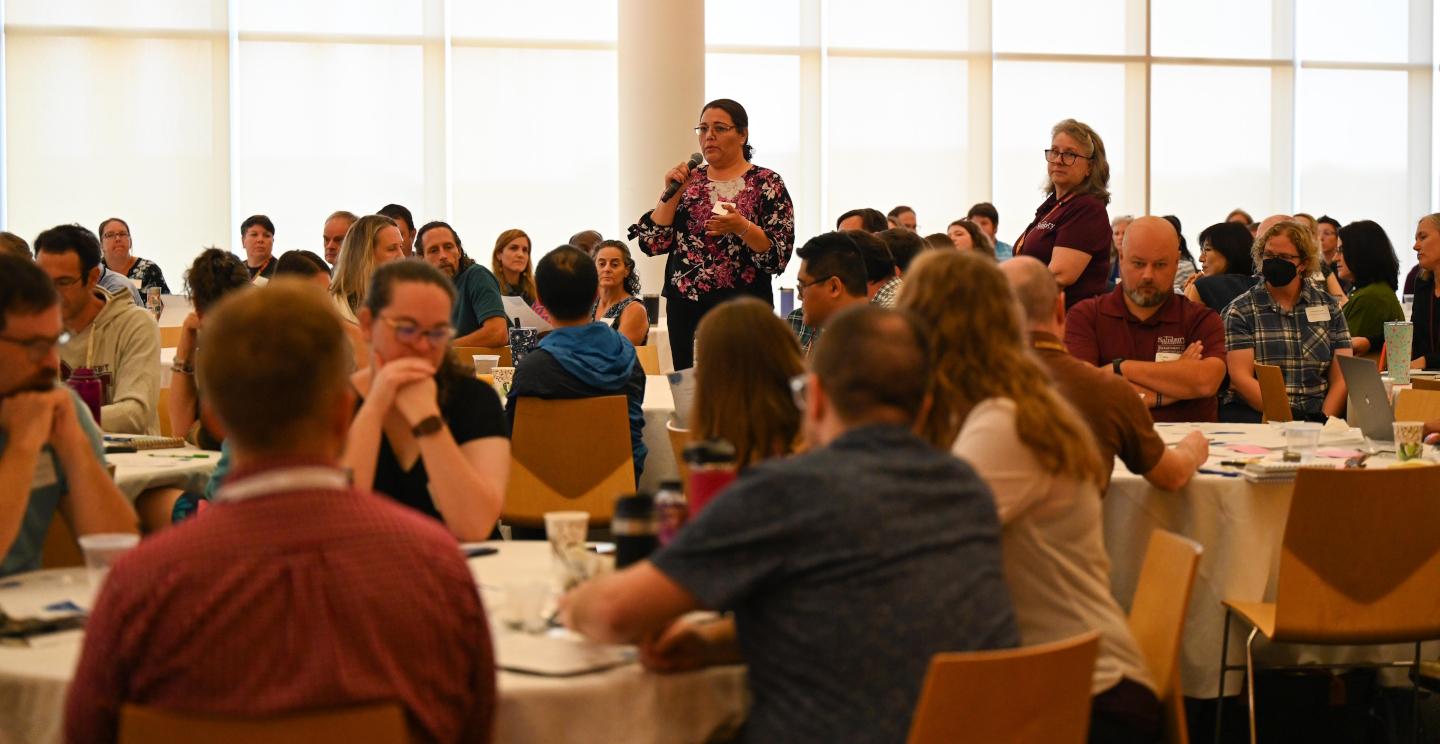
[428, 425]
[1115, 365]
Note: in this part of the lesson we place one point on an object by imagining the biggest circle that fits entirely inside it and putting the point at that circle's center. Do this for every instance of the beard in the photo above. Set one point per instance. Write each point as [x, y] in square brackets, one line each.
[40, 382]
[1156, 297]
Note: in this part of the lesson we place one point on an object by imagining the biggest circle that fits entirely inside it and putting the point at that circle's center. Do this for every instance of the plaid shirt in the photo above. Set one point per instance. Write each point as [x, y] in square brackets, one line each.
[805, 334]
[1301, 348]
[888, 294]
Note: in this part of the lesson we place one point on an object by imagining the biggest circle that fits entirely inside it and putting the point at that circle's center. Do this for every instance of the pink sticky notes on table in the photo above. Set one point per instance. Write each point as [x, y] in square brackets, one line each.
[1342, 454]
[1248, 449]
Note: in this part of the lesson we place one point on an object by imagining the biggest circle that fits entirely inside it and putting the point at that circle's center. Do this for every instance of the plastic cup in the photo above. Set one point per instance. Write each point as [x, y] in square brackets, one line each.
[485, 362]
[1409, 440]
[1398, 337]
[1302, 438]
[503, 378]
[524, 607]
[566, 531]
[101, 550]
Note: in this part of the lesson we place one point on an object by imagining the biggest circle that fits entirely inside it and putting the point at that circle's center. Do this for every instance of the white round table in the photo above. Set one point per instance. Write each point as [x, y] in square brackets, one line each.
[186, 468]
[625, 703]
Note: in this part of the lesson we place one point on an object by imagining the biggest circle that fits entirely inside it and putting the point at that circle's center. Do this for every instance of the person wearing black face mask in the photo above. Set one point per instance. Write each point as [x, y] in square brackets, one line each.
[1286, 321]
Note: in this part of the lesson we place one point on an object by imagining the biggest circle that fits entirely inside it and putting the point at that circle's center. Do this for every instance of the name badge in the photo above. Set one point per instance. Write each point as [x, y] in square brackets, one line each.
[45, 474]
[1162, 356]
[1317, 313]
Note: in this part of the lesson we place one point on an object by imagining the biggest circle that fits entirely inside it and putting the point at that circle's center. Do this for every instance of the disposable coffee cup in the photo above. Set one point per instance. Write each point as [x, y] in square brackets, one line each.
[503, 378]
[1409, 440]
[1399, 335]
[1302, 438]
[101, 551]
[485, 362]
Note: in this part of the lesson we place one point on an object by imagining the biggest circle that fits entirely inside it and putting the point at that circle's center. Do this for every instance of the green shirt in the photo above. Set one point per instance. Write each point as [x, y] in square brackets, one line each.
[477, 300]
[1369, 309]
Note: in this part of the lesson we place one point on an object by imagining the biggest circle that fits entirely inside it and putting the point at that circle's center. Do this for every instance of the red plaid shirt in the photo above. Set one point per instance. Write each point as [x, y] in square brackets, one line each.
[290, 601]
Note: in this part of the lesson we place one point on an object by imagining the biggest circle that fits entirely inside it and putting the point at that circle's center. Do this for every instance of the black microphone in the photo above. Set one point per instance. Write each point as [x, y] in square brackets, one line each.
[695, 161]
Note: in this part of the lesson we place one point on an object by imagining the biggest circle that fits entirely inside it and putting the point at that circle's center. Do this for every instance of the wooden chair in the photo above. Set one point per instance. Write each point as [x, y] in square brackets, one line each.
[1359, 564]
[466, 354]
[568, 454]
[369, 724]
[61, 549]
[1417, 405]
[1157, 620]
[678, 439]
[170, 336]
[162, 409]
[649, 358]
[1274, 401]
[1020, 696]
[1424, 383]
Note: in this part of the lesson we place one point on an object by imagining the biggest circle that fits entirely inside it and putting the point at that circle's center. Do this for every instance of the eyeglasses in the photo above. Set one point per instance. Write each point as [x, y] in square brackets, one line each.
[37, 348]
[800, 286]
[115, 235]
[409, 333]
[800, 390]
[1064, 158]
[718, 129]
[1267, 255]
[66, 282]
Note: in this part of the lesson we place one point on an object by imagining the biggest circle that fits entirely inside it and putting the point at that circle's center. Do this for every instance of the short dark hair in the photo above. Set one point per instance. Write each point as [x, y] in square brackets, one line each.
[1184, 247]
[897, 211]
[632, 282]
[397, 212]
[1231, 240]
[465, 261]
[71, 238]
[870, 220]
[257, 219]
[214, 274]
[738, 115]
[1326, 219]
[567, 281]
[935, 241]
[986, 210]
[834, 254]
[301, 263]
[25, 289]
[1369, 254]
[101, 230]
[879, 264]
[872, 358]
[904, 245]
[12, 243]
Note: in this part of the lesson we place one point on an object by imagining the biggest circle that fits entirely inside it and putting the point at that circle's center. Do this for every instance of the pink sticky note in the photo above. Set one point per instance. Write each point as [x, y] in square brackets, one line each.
[1248, 449]
[1342, 454]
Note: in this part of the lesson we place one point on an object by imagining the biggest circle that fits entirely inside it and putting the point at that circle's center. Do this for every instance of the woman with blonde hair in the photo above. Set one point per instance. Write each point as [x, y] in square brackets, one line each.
[1426, 311]
[373, 240]
[511, 264]
[746, 359]
[994, 405]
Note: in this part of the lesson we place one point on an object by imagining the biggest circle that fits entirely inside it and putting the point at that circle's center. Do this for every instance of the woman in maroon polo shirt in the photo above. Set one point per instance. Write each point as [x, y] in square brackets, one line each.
[1071, 229]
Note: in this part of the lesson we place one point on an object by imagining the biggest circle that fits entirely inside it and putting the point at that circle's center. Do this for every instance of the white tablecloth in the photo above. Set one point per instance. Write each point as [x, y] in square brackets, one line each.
[660, 339]
[186, 468]
[658, 407]
[623, 704]
[1241, 526]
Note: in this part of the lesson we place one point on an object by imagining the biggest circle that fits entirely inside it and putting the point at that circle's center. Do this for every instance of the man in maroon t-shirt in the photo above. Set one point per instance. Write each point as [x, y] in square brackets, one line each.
[1171, 350]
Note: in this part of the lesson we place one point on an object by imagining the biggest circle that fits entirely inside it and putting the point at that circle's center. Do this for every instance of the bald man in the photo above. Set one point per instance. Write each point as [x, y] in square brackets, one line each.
[1115, 414]
[1170, 350]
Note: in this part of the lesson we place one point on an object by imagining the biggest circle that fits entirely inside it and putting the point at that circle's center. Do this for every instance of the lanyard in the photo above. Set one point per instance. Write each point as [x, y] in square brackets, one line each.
[309, 478]
[1048, 346]
[1021, 242]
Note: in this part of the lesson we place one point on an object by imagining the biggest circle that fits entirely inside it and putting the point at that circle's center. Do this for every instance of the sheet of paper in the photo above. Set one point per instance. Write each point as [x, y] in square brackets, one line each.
[516, 307]
[558, 654]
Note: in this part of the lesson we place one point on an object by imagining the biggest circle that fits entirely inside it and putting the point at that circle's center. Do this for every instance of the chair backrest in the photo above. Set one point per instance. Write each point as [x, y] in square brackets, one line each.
[369, 724]
[466, 354]
[1360, 562]
[170, 336]
[678, 439]
[1274, 401]
[1022, 695]
[1417, 405]
[162, 409]
[1157, 619]
[1424, 383]
[568, 455]
[649, 358]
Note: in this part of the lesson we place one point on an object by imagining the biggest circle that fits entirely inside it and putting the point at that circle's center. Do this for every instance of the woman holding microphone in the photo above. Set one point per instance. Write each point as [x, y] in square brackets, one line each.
[728, 227]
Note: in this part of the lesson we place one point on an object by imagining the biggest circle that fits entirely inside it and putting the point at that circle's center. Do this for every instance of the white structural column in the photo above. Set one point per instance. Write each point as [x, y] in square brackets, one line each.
[435, 30]
[661, 68]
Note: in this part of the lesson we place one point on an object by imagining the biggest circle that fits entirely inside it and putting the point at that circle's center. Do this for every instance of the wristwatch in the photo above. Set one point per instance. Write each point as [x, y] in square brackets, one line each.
[1115, 365]
[428, 425]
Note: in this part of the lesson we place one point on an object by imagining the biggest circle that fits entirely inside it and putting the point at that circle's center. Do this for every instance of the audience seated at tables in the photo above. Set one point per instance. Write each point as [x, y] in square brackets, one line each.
[426, 433]
[405, 223]
[305, 265]
[587, 240]
[295, 591]
[967, 236]
[992, 406]
[1425, 312]
[1327, 234]
[904, 246]
[1119, 420]
[580, 358]
[14, 245]
[1185, 267]
[257, 235]
[618, 300]
[987, 218]
[336, 225]
[742, 381]
[1226, 269]
[1171, 350]
[1367, 261]
[869, 220]
[214, 274]
[1290, 322]
[115, 240]
[882, 276]
[846, 568]
[479, 313]
[511, 265]
[51, 454]
[107, 330]
[831, 277]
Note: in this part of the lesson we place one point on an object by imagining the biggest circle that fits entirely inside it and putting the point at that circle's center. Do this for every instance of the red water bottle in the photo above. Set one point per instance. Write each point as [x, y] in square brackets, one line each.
[712, 468]
[89, 387]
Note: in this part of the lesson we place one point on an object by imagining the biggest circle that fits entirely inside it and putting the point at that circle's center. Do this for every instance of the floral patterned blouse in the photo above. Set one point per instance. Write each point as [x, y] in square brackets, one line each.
[700, 266]
[149, 275]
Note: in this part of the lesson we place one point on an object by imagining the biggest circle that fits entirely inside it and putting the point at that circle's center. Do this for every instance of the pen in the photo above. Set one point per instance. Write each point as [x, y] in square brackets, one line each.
[196, 456]
[1223, 473]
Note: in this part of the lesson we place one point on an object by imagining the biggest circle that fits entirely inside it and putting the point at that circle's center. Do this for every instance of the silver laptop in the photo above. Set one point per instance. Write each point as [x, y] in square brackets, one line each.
[1369, 408]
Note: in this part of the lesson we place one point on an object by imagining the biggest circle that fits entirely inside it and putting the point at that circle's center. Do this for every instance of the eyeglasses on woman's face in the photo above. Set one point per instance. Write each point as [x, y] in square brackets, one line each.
[408, 332]
[718, 129]
[1064, 158]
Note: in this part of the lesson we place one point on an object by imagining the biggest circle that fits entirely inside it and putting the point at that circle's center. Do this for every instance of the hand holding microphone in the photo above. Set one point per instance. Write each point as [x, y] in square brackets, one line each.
[677, 176]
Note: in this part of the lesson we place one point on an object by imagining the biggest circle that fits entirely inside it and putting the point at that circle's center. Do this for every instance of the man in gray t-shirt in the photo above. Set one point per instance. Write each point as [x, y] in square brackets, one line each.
[846, 568]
